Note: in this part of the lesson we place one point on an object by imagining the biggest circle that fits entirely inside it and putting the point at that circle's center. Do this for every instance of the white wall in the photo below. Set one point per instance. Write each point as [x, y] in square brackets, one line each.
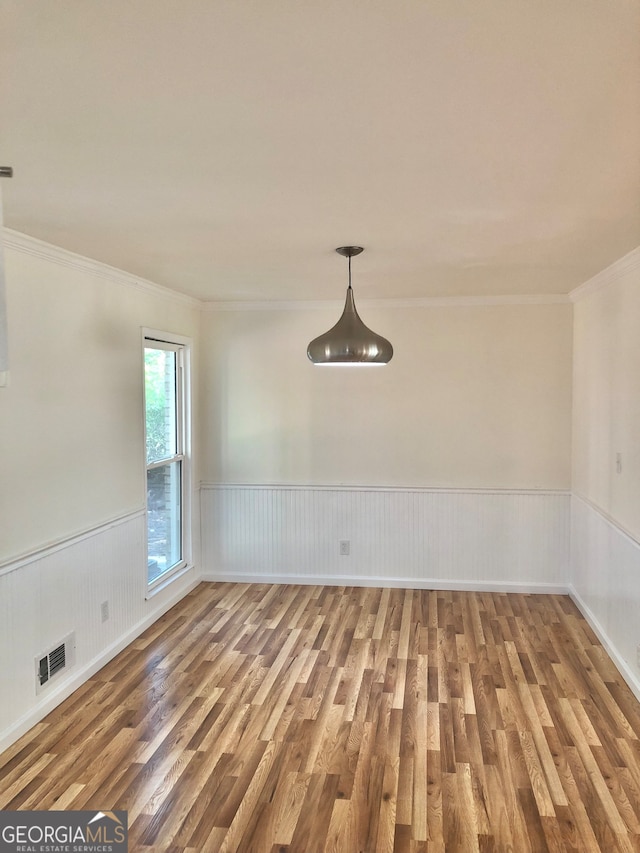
[449, 466]
[606, 383]
[71, 419]
[72, 466]
[418, 538]
[476, 396]
[605, 563]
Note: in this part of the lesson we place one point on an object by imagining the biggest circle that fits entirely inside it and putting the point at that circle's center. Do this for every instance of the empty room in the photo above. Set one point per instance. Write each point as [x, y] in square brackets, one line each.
[319, 426]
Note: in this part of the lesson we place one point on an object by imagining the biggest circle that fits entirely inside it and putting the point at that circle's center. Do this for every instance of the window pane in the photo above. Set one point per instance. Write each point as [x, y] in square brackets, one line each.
[160, 402]
[164, 513]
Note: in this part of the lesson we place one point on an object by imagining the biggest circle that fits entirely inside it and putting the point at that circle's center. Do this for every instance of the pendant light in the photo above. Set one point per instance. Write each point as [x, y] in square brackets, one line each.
[350, 341]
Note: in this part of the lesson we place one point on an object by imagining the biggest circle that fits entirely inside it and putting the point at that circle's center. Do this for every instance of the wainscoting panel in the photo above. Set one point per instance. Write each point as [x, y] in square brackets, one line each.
[403, 537]
[605, 584]
[47, 595]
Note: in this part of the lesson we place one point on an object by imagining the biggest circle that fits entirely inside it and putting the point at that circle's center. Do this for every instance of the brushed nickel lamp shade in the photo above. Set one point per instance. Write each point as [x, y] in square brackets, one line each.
[350, 341]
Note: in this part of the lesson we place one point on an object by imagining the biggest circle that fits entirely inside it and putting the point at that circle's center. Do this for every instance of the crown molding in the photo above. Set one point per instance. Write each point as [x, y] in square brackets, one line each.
[608, 276]
[26, 245]
[417, 302]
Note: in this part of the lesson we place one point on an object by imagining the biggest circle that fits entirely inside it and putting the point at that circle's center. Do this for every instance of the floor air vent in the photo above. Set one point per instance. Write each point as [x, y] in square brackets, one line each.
[56, 660]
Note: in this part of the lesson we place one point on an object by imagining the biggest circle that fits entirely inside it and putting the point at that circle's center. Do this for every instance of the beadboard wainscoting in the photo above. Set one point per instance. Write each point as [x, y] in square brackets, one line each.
[421, 538]
[605, 584]
[59, 590]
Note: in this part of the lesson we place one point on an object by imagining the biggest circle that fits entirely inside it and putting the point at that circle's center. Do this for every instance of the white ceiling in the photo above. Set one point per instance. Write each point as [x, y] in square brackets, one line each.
[224, 148]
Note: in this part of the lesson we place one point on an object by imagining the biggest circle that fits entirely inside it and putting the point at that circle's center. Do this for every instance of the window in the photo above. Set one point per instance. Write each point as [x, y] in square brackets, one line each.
[166, 439]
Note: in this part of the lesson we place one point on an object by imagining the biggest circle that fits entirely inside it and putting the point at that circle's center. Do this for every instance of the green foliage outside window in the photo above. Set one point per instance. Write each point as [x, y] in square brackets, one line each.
[155, 368]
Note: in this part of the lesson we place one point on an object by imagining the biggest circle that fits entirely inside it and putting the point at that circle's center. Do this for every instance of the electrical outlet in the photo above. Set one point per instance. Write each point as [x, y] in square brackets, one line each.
[345, 547]
[104, 610]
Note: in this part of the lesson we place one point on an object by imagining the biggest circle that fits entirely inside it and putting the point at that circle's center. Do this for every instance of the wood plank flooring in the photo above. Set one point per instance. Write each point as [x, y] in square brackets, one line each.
[313, 719]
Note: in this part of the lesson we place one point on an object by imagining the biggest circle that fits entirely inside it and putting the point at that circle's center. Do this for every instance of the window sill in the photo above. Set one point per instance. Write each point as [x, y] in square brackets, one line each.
[167, 579]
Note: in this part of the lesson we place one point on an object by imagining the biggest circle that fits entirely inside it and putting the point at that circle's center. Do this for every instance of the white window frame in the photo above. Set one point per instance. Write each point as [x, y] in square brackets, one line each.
[156, 339]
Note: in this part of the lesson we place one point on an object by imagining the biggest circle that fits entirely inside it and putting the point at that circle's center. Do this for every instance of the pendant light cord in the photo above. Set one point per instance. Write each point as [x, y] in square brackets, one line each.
[349, 272]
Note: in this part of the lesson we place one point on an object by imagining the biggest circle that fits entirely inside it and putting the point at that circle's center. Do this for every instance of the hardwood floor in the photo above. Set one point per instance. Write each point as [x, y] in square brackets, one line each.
[310, 719]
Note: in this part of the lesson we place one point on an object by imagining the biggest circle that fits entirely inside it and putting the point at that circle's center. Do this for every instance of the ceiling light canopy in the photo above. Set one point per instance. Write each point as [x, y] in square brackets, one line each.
[350, 341]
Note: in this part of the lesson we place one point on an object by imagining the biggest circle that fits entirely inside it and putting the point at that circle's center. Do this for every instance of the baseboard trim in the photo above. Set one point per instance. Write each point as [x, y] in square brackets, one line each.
[622, 666]
[393, 582]
[67, 687]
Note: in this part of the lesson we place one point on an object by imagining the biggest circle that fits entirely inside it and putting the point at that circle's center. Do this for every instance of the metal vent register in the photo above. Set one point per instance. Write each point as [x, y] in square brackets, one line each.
[51, 663]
